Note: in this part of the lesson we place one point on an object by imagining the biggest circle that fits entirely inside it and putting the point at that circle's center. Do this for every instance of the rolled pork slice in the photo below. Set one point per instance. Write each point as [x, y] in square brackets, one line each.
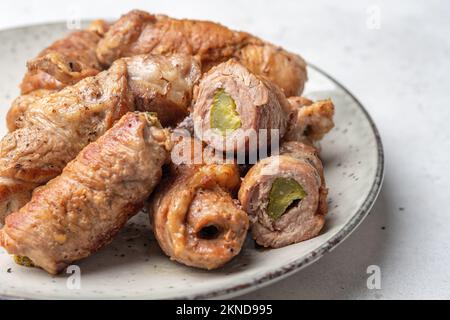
[235, 110]
[285, 196]
[312, 121]
[55, 128]
[66, 61]
[20, 105]
[81, 210]
[195, 219]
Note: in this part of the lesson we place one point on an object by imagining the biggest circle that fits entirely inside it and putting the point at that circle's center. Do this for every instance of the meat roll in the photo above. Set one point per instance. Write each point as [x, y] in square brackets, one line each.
[81, 210]
[54, 129]
[139, 32]
[285, 196]
[233, 106]
[312, 121]
[20, 106]
[63, 63]
[195, 220]
[66, 61]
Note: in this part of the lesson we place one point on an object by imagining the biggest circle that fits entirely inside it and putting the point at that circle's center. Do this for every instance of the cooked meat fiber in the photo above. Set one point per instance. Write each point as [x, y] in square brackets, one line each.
[195, 220]
[313, 120]
[55, 128]
[20, 106]
[139, 32]
[163, 84]
[66, 61]
[81, 210]
[285, 196]
[232, 106]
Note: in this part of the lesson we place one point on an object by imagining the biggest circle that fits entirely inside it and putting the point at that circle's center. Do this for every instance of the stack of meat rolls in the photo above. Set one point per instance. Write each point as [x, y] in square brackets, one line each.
[55, 128]
[87, 52]
[82, 209]
[312, 121]
[63, 63]
[195, 219]
[238, 111]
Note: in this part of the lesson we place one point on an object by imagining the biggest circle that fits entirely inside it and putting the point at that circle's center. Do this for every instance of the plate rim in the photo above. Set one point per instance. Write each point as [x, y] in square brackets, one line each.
[270, 277]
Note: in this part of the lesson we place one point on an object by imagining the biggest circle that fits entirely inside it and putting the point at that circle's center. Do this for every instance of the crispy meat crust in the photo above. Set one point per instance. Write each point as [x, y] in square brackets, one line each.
[193, 199]
[66, 61]
[81, 210]
[312, 121]
[300, 222]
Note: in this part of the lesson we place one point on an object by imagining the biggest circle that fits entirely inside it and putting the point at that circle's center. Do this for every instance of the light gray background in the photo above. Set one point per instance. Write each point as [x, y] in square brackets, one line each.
[401, 73]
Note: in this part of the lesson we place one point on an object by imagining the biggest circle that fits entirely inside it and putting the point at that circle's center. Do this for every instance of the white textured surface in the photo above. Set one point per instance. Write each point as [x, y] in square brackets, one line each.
[400, 72]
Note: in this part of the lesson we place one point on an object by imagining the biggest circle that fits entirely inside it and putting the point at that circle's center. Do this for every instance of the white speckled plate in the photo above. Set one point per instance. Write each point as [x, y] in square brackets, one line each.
[133, 265]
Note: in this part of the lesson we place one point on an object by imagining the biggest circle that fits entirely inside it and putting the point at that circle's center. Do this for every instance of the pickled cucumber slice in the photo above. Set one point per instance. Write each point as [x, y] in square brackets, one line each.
[224, 116]
[23, 261]
[283, 193]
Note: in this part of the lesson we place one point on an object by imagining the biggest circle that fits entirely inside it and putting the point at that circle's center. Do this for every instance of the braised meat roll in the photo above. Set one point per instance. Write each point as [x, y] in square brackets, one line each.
[139, 32]
[312, 121]
[285, 196]
[54, 129]
[195, 220]
[81, 210]
[66, 61]
[232, 107]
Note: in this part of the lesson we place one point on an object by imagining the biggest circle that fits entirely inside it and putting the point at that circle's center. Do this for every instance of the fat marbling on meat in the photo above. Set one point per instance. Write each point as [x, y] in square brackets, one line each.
[257, 109]
[55, 128]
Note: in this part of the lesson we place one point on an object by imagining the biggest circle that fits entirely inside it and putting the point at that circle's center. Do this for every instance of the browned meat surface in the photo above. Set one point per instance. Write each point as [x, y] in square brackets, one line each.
[81, 210]
[66, 61]
[20, 105]
[55, 128]
[195, 220]
[139, 32]
[285, 69]
[163, 84]
[313, 120]
[301, 220]
[258, 105]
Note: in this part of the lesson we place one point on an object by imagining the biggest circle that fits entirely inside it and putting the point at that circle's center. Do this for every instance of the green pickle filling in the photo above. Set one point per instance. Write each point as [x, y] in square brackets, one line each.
[224, 116]
[23, 261]
[283, 193]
